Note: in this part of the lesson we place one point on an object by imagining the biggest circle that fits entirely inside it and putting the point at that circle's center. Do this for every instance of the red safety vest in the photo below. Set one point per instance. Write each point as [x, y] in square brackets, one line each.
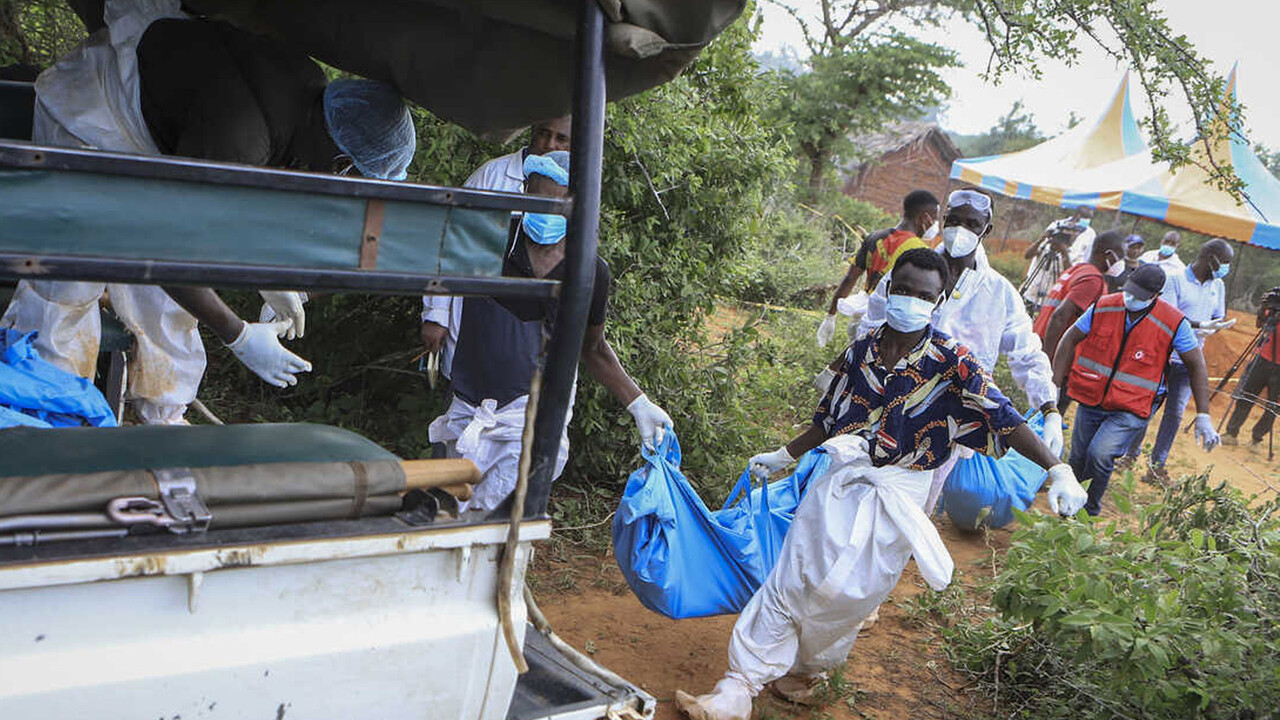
[1119, 370]
[1059, 291]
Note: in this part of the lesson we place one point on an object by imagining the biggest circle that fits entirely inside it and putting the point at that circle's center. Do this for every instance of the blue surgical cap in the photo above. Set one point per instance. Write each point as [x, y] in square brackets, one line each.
[554, 165]
[368, 121]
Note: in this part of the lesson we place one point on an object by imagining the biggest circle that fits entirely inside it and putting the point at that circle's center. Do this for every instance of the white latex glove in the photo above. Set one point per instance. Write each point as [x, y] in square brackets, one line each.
[1052, 436]
[285, 305]
[1205, 434]
[766, 464]
[651, 420]
[855, 306]
[826, 330]
[822, 380]
[258, 347]
[1066, 496]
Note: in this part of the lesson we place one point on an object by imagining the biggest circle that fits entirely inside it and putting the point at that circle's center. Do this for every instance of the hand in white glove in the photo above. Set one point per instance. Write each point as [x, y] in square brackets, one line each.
[651, 420]
[766, 464]
[285, 305]
[855, 306]
[822, 381]
[258, 347]
[1052, 435]
[1066, 496]
[826, 330]
[1205, 434]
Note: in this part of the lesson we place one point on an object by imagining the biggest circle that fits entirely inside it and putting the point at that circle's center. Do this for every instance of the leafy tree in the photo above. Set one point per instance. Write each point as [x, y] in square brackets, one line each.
[1022, 33]
[1270, 158]
[855, 87]
[36, 32]
[1014, 131]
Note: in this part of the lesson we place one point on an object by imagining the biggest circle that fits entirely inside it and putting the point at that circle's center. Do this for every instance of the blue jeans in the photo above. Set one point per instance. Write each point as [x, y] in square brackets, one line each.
[1179, 383]
[1098, 437]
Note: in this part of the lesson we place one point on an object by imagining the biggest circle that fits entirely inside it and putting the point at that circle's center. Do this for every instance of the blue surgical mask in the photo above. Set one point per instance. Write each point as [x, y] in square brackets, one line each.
[1084, 222]
[1167, 251]
[1222, 270]
[544, 228]
[1133, 304]
[908, 314]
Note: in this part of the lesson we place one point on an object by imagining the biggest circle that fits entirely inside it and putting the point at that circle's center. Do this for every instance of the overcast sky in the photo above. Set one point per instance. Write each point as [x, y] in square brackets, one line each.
[1225, 31]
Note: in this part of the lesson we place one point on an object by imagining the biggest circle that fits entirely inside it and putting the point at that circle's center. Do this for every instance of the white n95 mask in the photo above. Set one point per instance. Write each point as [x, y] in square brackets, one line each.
[907, 314]
[930, 232]
[959, 241]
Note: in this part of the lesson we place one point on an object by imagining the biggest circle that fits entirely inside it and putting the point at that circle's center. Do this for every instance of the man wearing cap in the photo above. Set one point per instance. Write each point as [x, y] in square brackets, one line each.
[1113, 361]
[1133, 247]
[157, 81]
[1166, 255]
[500, 345]
[441, 313]
[984, 312]
[1078, 288]
[1198, 293]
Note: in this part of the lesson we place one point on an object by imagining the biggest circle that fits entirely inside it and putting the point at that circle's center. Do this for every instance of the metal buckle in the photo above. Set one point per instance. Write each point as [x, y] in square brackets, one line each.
[178, 494]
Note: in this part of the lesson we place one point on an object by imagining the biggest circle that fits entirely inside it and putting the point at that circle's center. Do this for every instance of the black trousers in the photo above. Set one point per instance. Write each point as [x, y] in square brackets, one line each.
[1262, 375]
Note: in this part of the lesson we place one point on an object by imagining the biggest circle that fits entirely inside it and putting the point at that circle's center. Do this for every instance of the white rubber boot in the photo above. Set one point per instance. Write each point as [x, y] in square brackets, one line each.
[730, 700]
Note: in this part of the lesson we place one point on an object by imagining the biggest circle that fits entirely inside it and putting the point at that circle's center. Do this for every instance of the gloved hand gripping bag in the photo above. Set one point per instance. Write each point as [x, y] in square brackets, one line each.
[683, 560]
[983, 491]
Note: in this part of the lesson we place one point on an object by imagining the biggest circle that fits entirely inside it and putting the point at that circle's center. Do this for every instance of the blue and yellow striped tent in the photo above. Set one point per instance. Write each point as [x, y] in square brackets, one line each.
[1106, 165]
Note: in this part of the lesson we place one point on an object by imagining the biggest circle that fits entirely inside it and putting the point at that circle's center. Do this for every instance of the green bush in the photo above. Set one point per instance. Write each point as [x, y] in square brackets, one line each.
[1177, 616]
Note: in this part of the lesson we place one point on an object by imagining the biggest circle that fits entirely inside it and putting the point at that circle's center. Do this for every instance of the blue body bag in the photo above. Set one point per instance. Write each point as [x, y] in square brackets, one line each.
[683, 560]
[984, 491]
[34, 392]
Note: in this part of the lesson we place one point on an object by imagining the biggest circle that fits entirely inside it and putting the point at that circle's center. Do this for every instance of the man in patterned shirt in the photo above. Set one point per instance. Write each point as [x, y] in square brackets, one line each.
[902, 398]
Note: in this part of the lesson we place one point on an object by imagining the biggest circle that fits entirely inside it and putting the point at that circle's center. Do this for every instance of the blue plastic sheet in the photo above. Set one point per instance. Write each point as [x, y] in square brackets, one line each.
[984, 491]
[683, 560]
[36, 393]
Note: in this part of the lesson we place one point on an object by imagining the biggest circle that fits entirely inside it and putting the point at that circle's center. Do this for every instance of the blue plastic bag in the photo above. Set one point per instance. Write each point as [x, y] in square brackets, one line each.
[38, 389]
[984, 491]
[683, 560]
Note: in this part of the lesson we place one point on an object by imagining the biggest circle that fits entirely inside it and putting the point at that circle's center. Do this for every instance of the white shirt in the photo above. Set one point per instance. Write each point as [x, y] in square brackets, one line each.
[986, 314]
[1199, 301]
[1172, 264]
[1082, 247]
[505, 174]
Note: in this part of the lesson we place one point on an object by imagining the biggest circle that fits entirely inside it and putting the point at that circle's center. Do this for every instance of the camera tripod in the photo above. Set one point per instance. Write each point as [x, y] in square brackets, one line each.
[1259, 339]
[1051, 261]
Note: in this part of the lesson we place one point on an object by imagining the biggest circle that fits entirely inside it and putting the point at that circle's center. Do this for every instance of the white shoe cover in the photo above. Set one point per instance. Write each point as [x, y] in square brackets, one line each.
[730, 700]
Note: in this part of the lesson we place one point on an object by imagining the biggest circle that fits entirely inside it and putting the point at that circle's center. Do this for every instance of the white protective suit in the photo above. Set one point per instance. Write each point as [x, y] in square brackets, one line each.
[490, 438]
[985, 313]
[504, 174]
[90, 98]
[853, 533]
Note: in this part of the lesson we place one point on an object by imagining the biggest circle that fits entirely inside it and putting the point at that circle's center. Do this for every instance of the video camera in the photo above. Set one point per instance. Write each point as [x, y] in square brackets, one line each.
[1271, 301]
[1269, 313]
[1066, 234]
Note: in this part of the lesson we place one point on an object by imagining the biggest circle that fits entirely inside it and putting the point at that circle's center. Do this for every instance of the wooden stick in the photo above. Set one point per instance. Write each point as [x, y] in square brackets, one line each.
[439, 473]
[461, 492]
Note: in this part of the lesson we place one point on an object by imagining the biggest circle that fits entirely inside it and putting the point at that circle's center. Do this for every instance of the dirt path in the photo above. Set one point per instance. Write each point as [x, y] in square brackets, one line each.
[897, 670]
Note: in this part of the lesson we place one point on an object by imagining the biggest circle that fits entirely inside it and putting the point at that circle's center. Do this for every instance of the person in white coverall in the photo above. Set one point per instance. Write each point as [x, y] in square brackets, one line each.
[985, 313]
[441, 314]
[903, 398]
[499, 350]
[157, 81]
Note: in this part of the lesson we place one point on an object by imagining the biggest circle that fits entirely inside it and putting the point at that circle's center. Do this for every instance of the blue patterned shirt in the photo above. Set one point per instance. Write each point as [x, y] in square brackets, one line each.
[937, 396]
